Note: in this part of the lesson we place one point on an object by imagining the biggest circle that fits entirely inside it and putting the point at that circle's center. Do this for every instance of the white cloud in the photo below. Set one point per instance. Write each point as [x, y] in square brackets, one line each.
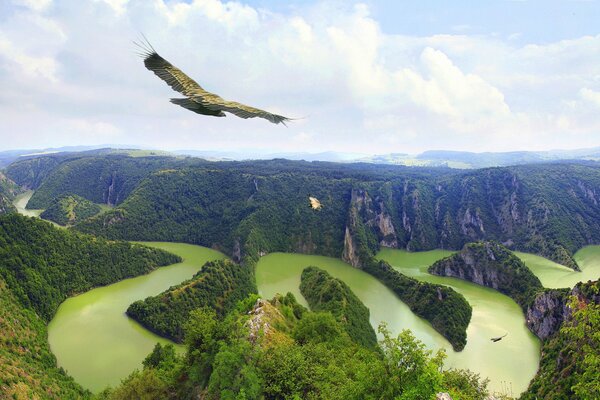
[35, 5]
[25, 65]
[70, 74]
[591, 96]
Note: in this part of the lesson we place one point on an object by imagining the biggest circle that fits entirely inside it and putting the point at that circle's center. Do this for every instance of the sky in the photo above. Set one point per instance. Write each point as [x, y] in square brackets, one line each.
[364, 77]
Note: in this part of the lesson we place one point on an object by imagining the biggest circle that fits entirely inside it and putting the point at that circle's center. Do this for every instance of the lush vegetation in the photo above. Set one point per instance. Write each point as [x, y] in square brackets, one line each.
[27, 366]
[6, 206]
[106, 179]
[279, 350]
[8, 191]
[493, 265]
[219, 285]
[70, 209]
[447, 311]
[570, 364]
[326, 293]
[42, 265]
[428, 208]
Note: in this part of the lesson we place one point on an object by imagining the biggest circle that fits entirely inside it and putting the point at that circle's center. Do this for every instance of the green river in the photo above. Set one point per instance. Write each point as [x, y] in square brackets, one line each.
[98, 345]
[92, 337]
[21, 201]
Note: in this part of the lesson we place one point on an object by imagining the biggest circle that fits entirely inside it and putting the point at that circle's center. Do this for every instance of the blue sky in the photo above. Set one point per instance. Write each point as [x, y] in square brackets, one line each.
[370, 77]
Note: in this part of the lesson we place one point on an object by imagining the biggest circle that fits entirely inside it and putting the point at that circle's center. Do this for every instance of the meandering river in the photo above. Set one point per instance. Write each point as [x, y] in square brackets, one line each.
[98, 345]
[93, 339]
[21, 201]
[510, 364]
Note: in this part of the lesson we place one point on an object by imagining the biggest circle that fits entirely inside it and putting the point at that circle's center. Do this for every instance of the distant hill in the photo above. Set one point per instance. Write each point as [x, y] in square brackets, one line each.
[69, 209]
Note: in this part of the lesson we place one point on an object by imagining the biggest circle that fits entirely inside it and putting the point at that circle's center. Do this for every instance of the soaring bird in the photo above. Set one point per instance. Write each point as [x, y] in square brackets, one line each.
[197, 99]
[499, 338]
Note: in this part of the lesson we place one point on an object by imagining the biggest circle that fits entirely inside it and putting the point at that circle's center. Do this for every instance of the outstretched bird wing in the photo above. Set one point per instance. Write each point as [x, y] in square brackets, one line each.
[207, 103]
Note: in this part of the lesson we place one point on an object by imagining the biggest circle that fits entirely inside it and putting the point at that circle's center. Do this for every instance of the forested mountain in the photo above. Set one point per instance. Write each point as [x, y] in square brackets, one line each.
[219, 285]
[493, 265]
[8, 191]
[276, 349]
[326, 293]
[569, 367]
[42, 265]
[551, 210]
[104, 179]
[27, 366]
[69, 209]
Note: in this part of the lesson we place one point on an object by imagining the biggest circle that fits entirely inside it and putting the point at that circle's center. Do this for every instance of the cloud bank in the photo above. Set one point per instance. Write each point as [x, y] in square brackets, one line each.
[69, 75]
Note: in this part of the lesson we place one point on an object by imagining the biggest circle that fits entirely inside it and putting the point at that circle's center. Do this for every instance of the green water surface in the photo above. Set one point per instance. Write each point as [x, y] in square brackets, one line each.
[510, 363]
[553, 275]
[93, 339]
[21, 201]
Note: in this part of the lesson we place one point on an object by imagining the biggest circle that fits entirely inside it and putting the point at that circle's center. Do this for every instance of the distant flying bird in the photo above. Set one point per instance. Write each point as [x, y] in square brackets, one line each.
[314, 203]
[197, 99]
[499, 338]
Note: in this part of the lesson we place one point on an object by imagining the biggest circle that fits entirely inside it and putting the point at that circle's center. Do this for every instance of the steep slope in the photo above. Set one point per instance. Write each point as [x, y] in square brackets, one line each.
[6, 206]
[105, 179]
[276, 349]
[516, 206]
[493, 265]
[8, 191]
[569, 367]
[70, 209]
[42, 265]
[326, 293]
[27, 366]
[39, 266]
[219, 285]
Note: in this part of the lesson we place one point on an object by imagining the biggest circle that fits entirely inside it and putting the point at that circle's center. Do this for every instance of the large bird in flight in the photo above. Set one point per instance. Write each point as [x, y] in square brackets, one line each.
[197, 99]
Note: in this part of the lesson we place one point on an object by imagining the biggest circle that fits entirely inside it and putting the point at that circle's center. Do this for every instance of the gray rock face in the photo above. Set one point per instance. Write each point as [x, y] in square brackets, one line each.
[373, 215]
[550, 309]
[547, 313]
[349, 254]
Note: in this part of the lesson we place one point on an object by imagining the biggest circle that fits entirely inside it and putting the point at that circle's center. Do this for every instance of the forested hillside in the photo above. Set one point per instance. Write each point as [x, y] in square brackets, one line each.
[326, 293]
[8, 191]
[27, 366]
[43, 265]
[70, 209]
[570, 363]
[277, 349]
[517, 206]
[493, 265]
[40, 266]
[219, 285]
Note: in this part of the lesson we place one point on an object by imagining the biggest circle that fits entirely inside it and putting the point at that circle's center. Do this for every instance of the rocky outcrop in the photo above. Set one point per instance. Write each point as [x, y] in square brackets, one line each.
[493, 265]
[6, 205]
[547, 312]
[349, 254]
[369, 225]
[260, 322]
[550, 308]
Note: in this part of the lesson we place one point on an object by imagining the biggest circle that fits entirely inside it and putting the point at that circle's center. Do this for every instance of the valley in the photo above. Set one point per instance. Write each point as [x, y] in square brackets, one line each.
[263, 218]
[93, 339]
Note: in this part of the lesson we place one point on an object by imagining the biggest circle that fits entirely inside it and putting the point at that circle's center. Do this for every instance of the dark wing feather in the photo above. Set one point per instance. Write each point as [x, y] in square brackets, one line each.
[214, 102]
[172, 75]
[197, 107]
[207, 103]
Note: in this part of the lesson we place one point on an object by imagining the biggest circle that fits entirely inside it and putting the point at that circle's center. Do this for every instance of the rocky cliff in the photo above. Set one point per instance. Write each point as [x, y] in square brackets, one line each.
[547, 312]
[493, 265]
[550, 308]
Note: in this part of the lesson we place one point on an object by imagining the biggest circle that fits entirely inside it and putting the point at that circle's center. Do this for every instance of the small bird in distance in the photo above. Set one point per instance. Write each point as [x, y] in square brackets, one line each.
[499, 338]
[197, 99]
[315, 204]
